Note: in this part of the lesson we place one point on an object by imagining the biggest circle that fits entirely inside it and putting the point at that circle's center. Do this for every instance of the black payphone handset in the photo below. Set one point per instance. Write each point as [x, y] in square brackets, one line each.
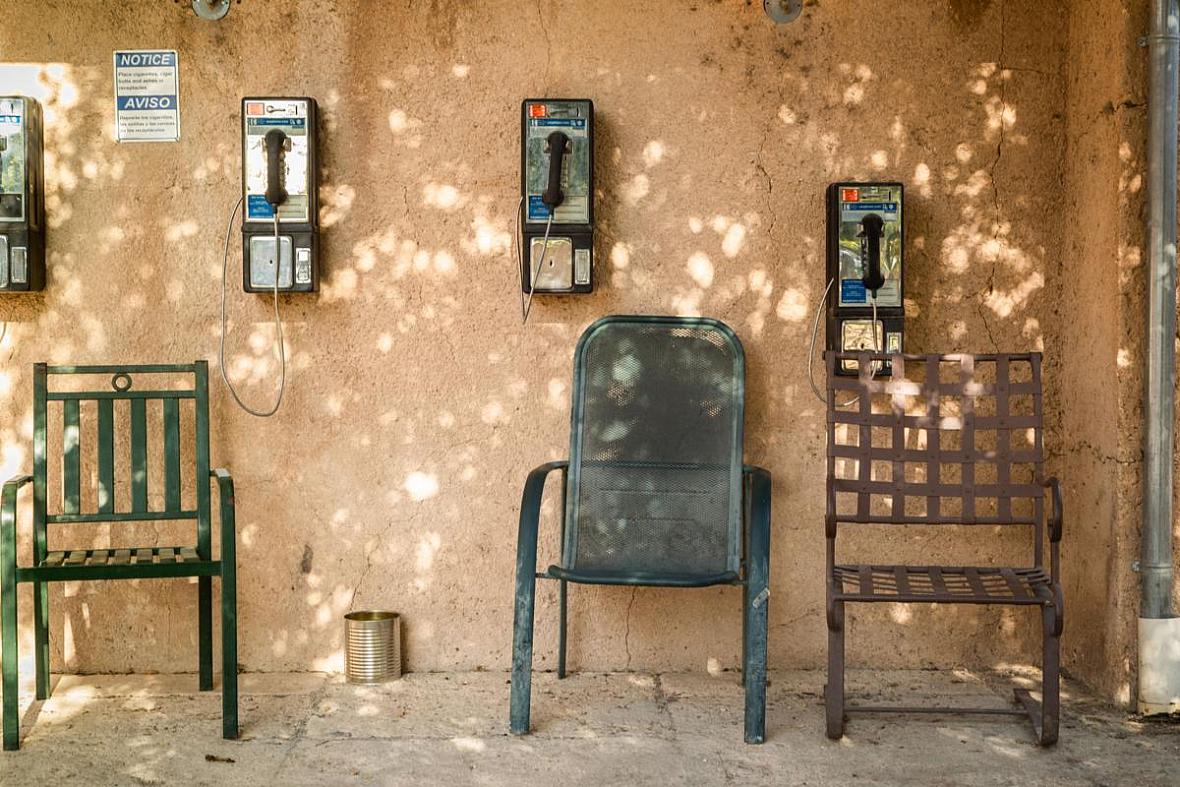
[22, 196]
[277, 143]
[280, 229]
[556, 212]
[871, 227]
[865, 274]
[556, 145]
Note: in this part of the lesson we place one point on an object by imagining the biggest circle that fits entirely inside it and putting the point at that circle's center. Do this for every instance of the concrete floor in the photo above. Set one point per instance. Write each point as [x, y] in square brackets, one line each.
[594, 729]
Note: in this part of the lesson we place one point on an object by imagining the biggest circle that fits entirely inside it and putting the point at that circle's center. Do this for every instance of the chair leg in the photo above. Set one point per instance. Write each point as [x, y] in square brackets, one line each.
[745, 629]
[834, 690]
[522, 652]
[756, 601]
[41, 636]
[8, 655]
[755, 629]
[205, 633]
[229, 650]
[561, 629]
[1050, 680]
[525, 599]
[1046, 714]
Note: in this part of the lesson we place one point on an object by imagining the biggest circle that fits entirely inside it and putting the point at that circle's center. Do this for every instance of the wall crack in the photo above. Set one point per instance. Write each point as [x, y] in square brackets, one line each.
[761, 169]
[983, 315]
[548, 44]
[1100, 455]
[627, 630]
[992, 171]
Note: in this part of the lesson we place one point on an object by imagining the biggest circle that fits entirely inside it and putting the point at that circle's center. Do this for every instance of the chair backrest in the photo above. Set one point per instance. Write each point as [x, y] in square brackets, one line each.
[655, 476]
[945, 439]
[117, 438]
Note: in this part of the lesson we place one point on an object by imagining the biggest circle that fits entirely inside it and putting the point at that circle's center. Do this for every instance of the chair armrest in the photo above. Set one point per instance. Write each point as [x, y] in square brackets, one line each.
[225, 493]
[8, 500]
[1056, 514]
[530, 515]
[16, 482]
[1055, 525]
[8, 524]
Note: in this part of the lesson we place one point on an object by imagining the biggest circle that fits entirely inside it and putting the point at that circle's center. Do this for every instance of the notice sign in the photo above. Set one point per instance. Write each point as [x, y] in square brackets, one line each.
[147, 96]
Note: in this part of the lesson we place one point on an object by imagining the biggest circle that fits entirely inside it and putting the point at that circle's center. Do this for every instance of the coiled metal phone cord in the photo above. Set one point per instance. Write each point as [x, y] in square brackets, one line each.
[278, 321]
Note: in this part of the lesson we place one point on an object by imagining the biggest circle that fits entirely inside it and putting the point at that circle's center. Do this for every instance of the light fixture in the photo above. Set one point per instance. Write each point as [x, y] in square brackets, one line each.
[211, 9]
[783, 11]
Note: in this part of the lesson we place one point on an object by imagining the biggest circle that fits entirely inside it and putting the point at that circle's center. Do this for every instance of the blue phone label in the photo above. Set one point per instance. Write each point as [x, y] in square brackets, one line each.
[852, 291]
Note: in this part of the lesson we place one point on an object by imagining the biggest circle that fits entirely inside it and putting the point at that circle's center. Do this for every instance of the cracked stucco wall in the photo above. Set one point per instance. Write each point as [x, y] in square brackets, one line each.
[417, 402]
[1103, 315]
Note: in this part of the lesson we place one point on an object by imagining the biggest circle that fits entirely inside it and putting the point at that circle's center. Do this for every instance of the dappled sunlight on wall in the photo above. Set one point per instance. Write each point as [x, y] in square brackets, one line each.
[416, 401]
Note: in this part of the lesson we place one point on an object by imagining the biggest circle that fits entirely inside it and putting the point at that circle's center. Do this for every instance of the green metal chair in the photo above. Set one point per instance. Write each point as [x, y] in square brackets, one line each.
[654, 492]
[122, 402]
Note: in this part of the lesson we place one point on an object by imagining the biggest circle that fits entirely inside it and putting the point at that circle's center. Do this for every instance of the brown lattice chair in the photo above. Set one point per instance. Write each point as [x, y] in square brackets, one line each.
[942, 440]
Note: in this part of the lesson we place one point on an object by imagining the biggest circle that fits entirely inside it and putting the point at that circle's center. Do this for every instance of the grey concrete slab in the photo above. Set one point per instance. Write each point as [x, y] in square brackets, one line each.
[589, 729]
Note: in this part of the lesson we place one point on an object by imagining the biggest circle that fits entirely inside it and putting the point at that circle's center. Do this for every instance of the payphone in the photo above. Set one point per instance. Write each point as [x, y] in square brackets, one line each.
[22, 196]
[866, 246]
[280, 228]
[280, 223]
[557, 197]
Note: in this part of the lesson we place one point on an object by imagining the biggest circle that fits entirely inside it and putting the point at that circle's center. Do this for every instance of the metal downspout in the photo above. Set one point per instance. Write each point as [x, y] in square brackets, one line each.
[1159, 630]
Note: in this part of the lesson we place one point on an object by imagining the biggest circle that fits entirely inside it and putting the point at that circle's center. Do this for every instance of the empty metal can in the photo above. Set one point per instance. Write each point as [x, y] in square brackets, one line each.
[372, 647]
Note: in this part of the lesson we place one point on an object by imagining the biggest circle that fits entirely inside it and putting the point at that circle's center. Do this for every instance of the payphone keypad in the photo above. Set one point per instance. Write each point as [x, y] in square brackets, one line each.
[262, 262]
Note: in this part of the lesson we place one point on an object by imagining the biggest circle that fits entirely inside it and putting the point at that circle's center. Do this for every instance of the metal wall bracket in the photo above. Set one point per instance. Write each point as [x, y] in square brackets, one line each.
[211, 9]
[783, 11]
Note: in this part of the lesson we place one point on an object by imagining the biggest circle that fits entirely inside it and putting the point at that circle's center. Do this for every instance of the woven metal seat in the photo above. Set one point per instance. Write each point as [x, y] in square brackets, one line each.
[945, 584]
[944, 440]
[655, 492]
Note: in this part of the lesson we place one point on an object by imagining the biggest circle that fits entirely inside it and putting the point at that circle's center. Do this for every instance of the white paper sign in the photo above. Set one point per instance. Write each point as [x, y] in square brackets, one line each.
[147, 95]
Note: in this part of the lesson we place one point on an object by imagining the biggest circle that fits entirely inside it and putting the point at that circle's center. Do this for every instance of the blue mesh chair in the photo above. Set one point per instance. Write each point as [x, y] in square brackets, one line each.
[655, 492]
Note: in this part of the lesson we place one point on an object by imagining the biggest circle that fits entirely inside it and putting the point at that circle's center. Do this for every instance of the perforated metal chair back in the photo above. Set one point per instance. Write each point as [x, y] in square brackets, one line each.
[654, 487]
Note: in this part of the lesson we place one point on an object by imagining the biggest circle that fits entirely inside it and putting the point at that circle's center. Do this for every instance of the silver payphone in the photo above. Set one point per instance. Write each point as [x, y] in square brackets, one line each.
[22, 196]
[557, 195]
[866, 247]
[280, 226]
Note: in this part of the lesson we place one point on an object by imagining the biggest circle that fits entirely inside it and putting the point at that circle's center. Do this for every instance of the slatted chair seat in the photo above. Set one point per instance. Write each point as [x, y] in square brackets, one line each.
[130, 563]
[943, 584]
[58, 500]
[654, 492]
[942, 441]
